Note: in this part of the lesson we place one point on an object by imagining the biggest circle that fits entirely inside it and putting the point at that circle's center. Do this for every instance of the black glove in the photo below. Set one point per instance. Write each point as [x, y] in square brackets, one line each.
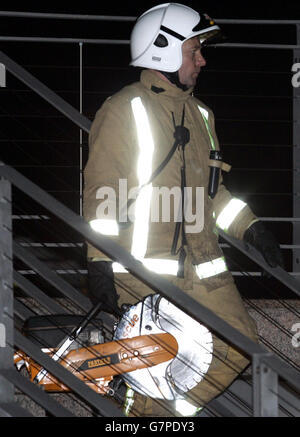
[101, 285]
[263, 240]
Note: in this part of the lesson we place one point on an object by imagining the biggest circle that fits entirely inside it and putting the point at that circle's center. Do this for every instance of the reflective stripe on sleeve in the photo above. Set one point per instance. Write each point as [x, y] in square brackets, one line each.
[229, 213]
[211, 268]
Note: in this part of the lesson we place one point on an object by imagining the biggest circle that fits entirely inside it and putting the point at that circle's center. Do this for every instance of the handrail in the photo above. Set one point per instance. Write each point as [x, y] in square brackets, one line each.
[64, 40]
[45, 92]
[88, 17]
[127, 42]
[160, 285]
[58, 16]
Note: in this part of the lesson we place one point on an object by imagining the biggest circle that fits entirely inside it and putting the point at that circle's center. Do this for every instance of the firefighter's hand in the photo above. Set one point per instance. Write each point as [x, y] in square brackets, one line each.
[264, 241]
[101, 286]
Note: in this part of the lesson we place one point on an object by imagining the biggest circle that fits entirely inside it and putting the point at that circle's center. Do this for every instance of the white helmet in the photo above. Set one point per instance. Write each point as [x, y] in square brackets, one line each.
[159, 33]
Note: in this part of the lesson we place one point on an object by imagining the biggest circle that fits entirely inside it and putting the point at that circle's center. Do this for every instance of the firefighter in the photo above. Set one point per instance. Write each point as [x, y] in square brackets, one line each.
[155, 134]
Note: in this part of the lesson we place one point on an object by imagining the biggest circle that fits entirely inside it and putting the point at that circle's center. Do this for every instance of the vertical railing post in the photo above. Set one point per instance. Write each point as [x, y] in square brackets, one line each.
[2, 76]
[80, 132]
[265, 388]
[6, 294]
[296, 155]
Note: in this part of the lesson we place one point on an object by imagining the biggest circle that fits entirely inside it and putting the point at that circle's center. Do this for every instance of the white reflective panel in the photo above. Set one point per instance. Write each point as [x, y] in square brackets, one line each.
[145, 141]
[211, 268]
[185, 408]
[229, 213]
[162, 266]
[144, 171]
[141, 223]
[105, 226]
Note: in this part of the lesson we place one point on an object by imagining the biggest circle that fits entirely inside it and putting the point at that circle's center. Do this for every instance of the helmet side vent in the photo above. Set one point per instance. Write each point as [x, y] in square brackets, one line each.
[161, 41]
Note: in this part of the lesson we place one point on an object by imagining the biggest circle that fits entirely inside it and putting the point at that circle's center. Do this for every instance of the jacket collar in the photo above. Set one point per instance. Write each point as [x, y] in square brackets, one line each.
[159, 86]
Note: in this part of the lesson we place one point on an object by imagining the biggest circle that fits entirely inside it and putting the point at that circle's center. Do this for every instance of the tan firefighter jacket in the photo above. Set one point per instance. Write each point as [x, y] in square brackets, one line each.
[131, 135]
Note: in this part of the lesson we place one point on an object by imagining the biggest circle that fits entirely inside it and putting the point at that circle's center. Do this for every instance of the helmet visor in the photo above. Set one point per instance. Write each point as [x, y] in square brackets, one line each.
[209, 32]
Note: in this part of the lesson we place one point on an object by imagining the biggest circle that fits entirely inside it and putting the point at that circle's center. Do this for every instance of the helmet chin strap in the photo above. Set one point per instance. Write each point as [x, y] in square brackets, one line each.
[174, 78]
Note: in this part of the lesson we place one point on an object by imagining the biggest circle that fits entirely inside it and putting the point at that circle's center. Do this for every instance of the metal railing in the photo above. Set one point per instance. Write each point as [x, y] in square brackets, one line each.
[266, 366]
[113, 18]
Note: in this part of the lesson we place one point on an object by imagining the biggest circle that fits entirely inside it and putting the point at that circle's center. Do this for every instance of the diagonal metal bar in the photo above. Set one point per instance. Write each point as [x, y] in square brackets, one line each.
[104, 406]
[12, 409]
[36, 293]
[155, 282]
[221, 409]
[45, 92]
[22, 311]
[60, 284]
[36, 394]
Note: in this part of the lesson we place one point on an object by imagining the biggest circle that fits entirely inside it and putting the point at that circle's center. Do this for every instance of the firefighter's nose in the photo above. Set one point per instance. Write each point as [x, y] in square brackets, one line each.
[201, 61]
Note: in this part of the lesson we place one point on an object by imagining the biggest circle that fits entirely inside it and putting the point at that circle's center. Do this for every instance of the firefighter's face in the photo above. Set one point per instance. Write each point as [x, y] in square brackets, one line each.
[192, 62]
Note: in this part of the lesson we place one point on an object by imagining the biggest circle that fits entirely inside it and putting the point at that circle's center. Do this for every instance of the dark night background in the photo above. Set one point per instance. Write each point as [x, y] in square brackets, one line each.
[248, 89]
[218, 9]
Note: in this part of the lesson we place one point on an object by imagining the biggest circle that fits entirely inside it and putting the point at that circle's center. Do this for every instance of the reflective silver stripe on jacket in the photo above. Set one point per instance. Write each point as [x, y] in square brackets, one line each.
[170, 267]
[211, 268]
[160, 266]
[204, 114]
[144, 171]
[229, 213]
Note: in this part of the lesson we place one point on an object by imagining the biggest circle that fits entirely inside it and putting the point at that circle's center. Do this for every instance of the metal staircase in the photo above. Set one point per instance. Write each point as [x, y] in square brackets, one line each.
[266, 367]
[270, 387]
